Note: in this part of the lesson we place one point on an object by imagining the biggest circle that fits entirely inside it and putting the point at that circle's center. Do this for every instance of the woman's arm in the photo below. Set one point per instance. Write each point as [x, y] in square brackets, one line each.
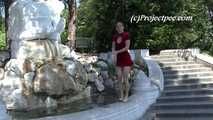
[113, 46]
[127, 45]
[114, 56]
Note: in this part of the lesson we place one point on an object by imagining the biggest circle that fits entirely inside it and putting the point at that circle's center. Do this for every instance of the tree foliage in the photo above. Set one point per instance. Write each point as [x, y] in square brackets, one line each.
[2, 34]
[97, 19]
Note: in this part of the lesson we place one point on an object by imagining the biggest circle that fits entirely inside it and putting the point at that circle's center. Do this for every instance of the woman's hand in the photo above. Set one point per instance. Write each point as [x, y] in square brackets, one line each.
[114, 57]
[114, 53]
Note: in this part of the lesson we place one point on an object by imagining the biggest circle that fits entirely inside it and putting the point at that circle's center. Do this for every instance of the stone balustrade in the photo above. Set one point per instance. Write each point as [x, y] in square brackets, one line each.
[193, 54]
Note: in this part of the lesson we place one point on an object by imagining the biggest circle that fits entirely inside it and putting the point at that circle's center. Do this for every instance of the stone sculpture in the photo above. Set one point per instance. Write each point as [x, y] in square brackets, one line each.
[40, 68]
[42, 72]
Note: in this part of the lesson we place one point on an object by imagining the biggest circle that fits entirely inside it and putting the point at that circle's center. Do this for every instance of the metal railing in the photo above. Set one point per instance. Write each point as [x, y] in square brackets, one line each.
[85, 44]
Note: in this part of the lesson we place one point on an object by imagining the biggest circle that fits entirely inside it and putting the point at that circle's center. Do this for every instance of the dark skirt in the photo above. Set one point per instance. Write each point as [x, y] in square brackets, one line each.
[124, 59]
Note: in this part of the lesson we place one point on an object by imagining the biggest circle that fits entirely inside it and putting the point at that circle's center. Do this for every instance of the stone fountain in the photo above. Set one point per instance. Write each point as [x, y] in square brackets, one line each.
[41, 72]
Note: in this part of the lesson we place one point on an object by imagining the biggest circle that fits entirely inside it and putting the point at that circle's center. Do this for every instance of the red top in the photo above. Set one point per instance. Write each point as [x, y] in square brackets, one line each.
[123, 59]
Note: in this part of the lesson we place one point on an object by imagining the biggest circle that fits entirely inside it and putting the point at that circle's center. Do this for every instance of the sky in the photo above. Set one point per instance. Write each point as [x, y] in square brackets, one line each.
[77, 3]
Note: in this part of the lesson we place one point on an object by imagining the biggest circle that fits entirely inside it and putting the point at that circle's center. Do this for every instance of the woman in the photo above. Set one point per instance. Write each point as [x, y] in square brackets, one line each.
[120, 47]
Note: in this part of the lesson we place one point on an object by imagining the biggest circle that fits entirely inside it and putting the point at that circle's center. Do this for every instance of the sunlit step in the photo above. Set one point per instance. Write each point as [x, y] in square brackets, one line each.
[188, 75]
[197, 91]
[185, 98]
[180, 66]
[189, 86]
[186, 70]
[193, 80]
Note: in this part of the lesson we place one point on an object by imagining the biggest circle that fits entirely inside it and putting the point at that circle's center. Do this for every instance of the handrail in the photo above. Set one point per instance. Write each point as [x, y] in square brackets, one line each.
[155, 73]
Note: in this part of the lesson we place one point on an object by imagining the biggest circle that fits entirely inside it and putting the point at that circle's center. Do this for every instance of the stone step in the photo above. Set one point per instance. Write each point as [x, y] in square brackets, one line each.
[169, 51]
[164, 56]
[187, 70]
[184, 105]
[169, 67]
[189, 86]
[176, 59]
[180, 81]
[184, 114]
[188, 89]
[185, 98]
[184, 118]
[168, 54]
[191, 78]
[203, 91]
[188, 75]
[178, 62]
[165, 61]
[159, 58]
[162, 64]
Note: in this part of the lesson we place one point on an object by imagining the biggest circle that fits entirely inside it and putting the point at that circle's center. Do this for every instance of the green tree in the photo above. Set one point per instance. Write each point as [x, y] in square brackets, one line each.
[97, 19]
[2, 34]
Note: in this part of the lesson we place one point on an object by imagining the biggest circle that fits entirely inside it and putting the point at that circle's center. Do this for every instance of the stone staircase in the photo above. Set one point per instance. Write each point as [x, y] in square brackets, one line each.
[188, 90]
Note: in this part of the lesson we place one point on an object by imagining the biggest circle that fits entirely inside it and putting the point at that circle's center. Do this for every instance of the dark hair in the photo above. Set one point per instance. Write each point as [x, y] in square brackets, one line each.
[114, 29]
[121, 23]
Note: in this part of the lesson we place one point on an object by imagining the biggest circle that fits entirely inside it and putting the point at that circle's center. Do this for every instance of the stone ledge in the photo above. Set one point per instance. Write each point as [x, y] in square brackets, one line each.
[134, 109]
[155, 73]
[205, 59]
[137, 105]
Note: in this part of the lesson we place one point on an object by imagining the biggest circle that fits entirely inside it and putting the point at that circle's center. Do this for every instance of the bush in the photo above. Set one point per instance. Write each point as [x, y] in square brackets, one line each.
[2, 34]
[2, 41]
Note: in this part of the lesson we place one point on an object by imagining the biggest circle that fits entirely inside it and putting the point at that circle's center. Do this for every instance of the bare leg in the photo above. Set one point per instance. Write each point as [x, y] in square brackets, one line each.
[120, 82]
[126, 73]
